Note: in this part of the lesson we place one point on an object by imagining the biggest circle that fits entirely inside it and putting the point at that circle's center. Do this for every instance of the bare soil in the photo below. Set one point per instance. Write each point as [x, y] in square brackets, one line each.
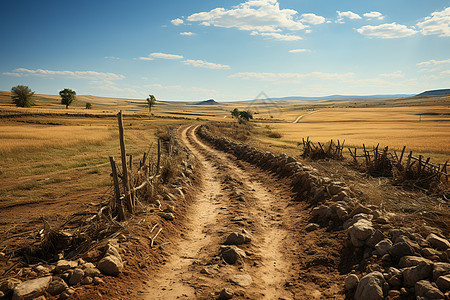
[282, 259]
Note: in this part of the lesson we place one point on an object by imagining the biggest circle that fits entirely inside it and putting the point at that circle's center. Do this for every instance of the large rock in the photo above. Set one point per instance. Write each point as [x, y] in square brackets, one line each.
[401, 249]
[360, 231]
[370, 287]
[443, 282]
[57, 286]
[439, 269]
[438, 242]
[383, 247]
[411, 275]
[238, 238]
[425, 289]
[110, 265]
[411, 261]
[231, 254]
[31, 289]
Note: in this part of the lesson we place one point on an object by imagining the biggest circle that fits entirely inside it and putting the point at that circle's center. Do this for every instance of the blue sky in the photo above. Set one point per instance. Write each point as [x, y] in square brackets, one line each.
[226, 50]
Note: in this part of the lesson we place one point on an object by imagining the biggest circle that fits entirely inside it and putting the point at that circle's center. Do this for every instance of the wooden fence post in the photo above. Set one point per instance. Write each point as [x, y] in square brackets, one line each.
[118, 202]
[126, 183]
[159, 157]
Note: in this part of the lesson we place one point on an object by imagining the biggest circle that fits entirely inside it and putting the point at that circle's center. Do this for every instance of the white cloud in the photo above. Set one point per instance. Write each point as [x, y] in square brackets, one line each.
[177, 21]
[438, 23]
[146, 58]
[188, 33]
[374, 15]
[291, 76]
[386, 31]
[112, 57]
[278, 36]
[165, 56]
[396, 74]
[312, 19]
[346, 14]
[204, 64]
[260, 16]
[433, 65]
[90, 75]
[299, 50]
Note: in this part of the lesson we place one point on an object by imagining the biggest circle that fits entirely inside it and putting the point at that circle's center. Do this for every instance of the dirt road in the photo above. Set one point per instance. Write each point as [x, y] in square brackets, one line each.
[281, 261]
[304, 115]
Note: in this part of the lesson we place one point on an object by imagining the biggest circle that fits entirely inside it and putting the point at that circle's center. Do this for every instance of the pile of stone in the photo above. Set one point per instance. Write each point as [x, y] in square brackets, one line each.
[400, 263]
[62, 278]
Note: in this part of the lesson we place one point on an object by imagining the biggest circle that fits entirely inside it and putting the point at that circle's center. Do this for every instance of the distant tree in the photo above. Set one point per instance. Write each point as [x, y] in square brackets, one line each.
[88, 105]
[235, 113]
[246, 115]
[151, 101]
[67, 97]
[22, 96]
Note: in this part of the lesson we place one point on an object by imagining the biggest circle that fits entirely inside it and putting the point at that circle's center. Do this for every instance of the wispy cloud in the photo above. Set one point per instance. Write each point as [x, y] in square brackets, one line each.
[299, 50]
[278, 36]
[177, 21]
[188, 33]
[112, 57]
[291, 76]
[90, 75]
[346, 14]
[386, 31]
[396, 74]
[204, 64]
[374, 15]
[436, 24]
[434, 65]
[153, 56]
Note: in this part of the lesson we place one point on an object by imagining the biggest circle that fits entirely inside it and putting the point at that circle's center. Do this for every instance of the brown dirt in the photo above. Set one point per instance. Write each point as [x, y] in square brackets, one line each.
[283, 260]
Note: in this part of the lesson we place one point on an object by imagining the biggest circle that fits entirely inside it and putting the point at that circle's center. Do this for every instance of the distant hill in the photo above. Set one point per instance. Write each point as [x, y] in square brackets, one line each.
[342, 97]
[207, 102]
[435, 92]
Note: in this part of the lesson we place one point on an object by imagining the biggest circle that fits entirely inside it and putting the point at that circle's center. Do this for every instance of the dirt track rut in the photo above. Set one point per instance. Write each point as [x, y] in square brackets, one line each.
[236, 196]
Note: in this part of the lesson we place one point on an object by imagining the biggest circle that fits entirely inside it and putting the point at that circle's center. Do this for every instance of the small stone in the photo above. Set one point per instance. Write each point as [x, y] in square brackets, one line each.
[87, 280]
[66, 294]
[98, 280]
[376, 237]
[443, 282]
[167, 216]
[63, 265]
[76, 276]
[383, 246]
[351, 282]
[57, 287]
[438, 242]
[110, 265]
[425, 289]
[242, 280]
[411, 261]
[231, 254]
[394, 293]
[32, 288]
[41, 269]
[225, 294]
[401, 249]
[237, 238]
[92, 272]
[87, 266]
[312, 227]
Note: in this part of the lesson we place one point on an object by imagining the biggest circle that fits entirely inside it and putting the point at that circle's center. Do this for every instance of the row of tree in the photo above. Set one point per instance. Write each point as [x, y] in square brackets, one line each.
[22, 96]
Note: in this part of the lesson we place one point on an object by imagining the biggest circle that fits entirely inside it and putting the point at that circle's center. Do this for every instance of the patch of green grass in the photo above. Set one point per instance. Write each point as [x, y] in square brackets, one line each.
[94, 171]
[78, 165]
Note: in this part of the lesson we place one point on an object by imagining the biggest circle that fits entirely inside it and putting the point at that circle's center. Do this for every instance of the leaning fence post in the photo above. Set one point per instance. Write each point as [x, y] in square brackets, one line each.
[118, 202]
[159, 157]
[126, 183]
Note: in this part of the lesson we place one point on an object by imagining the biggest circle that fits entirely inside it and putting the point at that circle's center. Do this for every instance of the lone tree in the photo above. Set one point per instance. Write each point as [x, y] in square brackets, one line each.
[235, 113]
[88, 105]
[246, 115]
[151, 101]
[67, 97]
[22, 96]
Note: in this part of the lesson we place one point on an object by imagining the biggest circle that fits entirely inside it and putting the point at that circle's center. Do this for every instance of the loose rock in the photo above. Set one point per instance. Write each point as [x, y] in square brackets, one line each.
[443, 282]
[370, 287]
[231, 254]
[351, 282]
[76, 277]
[312, 227]
[238, 238]
[438, 242]
[425, 289]
[242, 280]
[32, 288]
[225, 294]
[414, 274]
[110, 265]
[57, 286]
[383, 247]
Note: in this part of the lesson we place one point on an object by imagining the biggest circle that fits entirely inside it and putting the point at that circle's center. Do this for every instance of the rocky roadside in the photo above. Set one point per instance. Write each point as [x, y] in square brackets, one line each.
[394, 262]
